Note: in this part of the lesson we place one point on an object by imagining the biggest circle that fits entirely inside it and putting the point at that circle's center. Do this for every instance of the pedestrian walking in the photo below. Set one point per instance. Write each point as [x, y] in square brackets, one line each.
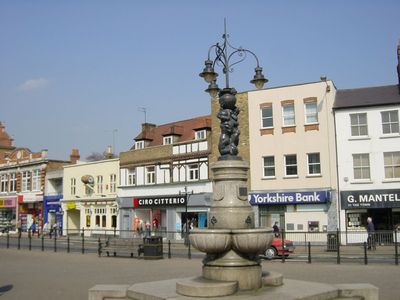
[276, 229]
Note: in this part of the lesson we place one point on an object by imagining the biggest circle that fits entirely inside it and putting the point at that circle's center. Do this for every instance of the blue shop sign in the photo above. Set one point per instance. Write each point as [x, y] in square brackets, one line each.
[271, 198]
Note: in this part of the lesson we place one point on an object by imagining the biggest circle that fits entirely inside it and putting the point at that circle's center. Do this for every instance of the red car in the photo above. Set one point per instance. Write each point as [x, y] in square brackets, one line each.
[276, 248]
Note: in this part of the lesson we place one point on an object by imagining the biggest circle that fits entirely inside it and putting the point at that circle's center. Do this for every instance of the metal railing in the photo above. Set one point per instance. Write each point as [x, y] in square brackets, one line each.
[310, 247]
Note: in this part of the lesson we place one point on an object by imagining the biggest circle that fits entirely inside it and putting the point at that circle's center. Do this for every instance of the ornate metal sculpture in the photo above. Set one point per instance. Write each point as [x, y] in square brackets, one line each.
[228, 112]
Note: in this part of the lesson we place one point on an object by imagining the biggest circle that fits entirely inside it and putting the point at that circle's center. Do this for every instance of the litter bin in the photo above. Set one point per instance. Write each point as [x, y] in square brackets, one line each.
[332, 242]
[153, 247]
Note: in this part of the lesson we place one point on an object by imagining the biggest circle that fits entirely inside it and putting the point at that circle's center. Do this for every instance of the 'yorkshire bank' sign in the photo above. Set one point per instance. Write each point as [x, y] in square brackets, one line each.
[158, 201]
[309, 197]
[370, 199]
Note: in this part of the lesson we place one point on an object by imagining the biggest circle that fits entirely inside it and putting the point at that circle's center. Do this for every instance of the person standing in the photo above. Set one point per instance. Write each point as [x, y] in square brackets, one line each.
[371, 233]
[276, 229]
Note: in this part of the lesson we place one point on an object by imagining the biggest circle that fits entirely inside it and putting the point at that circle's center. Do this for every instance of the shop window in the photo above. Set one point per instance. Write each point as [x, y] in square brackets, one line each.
[267, 117]
[291, 165]
[392, 164]
[313, 226]
[390, 122]
[354, 220]
[269, 166]
[314, 164]
[361, 166]
[290, 226]
[359, 126]
[104, 221]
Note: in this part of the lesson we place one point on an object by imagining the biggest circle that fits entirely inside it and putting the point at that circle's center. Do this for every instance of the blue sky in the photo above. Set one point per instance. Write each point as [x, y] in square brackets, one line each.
[74, 74]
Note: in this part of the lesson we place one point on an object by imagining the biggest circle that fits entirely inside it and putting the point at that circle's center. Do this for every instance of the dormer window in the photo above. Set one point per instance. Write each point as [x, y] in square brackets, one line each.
[168, 140]
[201, 134]
[139, 145]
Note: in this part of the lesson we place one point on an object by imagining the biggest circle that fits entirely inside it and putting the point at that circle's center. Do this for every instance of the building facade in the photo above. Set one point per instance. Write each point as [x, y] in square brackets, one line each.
[22, 186]
[89, 197]
[287, 135]
[368, 149]
[165, 178]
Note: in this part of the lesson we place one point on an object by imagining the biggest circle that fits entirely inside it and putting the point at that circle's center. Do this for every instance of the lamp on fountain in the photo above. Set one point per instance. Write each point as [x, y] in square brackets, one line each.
[228, 112]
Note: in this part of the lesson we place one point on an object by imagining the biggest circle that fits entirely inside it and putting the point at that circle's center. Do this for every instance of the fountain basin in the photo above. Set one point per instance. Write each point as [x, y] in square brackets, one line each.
[211, 240]
[254, 241]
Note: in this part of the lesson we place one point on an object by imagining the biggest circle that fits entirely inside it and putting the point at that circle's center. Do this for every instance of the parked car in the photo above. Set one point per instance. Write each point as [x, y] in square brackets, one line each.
[277, 249]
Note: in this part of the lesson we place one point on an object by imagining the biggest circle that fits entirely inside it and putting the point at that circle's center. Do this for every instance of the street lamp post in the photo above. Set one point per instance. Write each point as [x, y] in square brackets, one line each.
[228, 112]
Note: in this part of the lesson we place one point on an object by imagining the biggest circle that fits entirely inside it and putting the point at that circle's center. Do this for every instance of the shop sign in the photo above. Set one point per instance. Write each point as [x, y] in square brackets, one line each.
[271, 198]
[7, 202]
[370, 199]
[71, 205]
[158, 201]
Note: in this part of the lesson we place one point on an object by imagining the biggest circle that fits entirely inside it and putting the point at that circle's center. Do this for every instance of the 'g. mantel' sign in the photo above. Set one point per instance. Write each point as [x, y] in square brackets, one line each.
[158, 201]
[370, 199]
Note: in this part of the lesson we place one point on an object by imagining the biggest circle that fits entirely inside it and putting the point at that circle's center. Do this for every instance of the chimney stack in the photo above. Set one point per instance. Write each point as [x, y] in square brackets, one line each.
[148, 126]
[74, 157]
[109, 152]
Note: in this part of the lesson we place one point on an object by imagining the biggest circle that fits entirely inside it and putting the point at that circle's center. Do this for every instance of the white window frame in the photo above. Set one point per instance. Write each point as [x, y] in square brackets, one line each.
[168, 140]
[290, 165]
[139, 145]
[193, 172]
[286, 116]
[392, 123]
[393, 166]
[36, 180]
[150, 173]
[25, 181]
[269, 167]
[201, 134]
[313, 114]
[364, 166]
[312, 165]
[267, 118]
[73, 186]
[13, 182]
[113, 183]
[4, 183]
[131, 177]
[356, 124]
[99, 184]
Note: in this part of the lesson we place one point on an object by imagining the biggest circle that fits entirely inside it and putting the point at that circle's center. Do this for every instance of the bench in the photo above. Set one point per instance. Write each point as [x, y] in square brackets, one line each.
[123, 246]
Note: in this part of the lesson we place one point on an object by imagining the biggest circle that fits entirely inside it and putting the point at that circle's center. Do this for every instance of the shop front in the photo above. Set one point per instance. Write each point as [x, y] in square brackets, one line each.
[383, 206]
[295, 211]
[52, 211]
[30, 211]
[8, 213]
[162, 215]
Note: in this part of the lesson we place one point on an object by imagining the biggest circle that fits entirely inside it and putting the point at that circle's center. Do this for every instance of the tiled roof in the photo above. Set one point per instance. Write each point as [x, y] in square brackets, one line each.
[184, 129]
[370, 96]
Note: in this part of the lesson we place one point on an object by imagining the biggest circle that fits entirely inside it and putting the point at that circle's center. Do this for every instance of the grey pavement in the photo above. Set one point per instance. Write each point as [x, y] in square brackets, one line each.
[47, 275]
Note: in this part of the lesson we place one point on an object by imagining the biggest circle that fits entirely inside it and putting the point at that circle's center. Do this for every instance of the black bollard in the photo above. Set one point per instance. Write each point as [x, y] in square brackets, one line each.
[365, 254]
[42, 242]
[67, 244]
[169, 248]
[309, 252]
